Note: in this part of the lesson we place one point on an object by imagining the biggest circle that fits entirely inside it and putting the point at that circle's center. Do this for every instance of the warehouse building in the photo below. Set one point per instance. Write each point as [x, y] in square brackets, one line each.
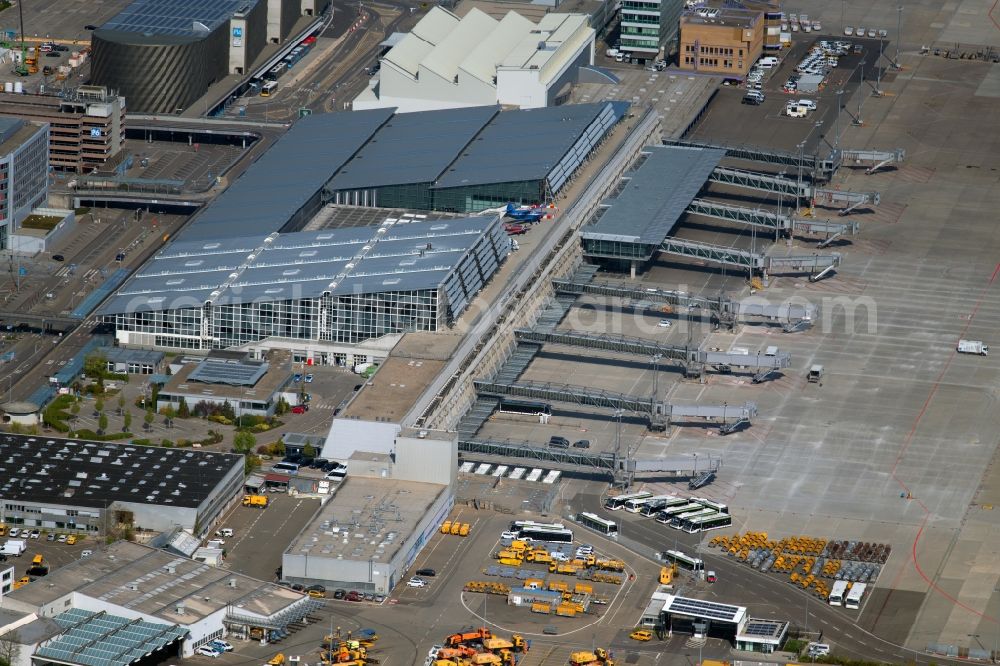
[163, 56]
[397, 493]
[447, 62]
[24, 173]
[86, 126]
[93, 487]
[147, 603]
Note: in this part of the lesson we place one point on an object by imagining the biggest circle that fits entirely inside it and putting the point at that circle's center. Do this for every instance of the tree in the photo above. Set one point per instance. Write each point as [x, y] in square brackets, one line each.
[244, 442]
[227, 411]
[10, 648]
[121, 404]
[75, 409]
[169, 412]
[128, 421]
[309, 451]
[182, 409]
[102, 422]
[282, 407]
[250, 463]
[99, 405]
[149, 418]
[95, 365]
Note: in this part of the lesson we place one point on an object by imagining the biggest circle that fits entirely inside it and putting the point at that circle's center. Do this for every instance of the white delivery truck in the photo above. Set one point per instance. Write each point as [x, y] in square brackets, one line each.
[973, 347]
[14, 547]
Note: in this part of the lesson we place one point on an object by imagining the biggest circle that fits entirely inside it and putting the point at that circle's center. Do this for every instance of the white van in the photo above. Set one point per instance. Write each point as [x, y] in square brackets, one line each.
[767, 62]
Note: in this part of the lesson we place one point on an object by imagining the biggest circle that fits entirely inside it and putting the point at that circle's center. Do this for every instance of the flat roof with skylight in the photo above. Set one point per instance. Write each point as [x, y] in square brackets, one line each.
[97, 474]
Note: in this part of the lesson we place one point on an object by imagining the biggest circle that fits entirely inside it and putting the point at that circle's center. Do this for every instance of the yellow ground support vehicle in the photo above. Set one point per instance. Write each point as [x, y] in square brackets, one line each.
[71, 539]
[641, 635]
[446, 527]
[464, 530]
[456, 528]
[259, 501]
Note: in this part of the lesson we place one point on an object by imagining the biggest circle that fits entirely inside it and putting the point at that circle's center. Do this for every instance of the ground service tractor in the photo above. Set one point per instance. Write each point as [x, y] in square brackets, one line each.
[465, 638]
[456, 652]
[598, 656]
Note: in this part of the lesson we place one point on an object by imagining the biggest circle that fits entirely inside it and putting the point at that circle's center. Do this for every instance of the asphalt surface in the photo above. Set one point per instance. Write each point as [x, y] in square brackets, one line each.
[764, 594]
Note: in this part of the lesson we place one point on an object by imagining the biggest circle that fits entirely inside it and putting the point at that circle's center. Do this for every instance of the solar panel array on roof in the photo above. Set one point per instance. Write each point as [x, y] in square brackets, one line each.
[401, 256]
[233, 373]
[765, 628]
[176, 17]
[413, 148]
[656, 195]
[525, 145]
[101, 639]
[704, 609]
[286, 177]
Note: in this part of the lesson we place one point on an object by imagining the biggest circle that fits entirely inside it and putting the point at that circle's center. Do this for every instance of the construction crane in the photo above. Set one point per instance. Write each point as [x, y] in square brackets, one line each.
[22, 66]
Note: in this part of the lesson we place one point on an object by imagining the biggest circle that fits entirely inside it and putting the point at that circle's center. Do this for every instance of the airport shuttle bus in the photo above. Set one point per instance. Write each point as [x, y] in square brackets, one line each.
[705, 523]
[657, 504]
[680, 521]
[853, 599]
[618, 502]
[709, 504]
[667, 515]
[595, 522]
[684, 561]
[837, 593]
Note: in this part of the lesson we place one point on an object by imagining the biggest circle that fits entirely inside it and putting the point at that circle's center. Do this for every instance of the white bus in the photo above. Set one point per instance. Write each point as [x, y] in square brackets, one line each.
[666, 515]
[705, 523]
[618, 502]
[268, 88]
[709, 504]
[530, 530]
[657, 504]
[595, 522]
[853, 599]
[635, 505]
[837, 593]
[684, 561]
[680, 521]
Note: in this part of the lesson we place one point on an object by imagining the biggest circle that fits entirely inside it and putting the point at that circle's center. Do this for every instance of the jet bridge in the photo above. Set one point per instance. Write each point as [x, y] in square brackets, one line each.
[873, 159]
[818, 169]
[660, 414]
[817, 265]
[795, 315]
[762, 365]
[772, 221]
[773, 184]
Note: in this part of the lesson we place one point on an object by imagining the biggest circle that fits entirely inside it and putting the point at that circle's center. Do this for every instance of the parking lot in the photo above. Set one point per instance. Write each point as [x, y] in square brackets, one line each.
[55, 554]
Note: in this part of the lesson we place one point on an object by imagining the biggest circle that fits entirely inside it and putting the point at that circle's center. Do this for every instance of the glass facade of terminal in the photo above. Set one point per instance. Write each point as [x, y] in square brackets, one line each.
[471, 199]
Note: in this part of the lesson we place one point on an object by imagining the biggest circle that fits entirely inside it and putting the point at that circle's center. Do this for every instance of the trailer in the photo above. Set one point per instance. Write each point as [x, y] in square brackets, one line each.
[973, 347]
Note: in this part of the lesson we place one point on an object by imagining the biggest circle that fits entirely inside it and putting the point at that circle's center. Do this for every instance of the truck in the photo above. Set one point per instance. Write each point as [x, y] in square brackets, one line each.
[15, 547]
[815, 375]
[255, 500]
[973, 347]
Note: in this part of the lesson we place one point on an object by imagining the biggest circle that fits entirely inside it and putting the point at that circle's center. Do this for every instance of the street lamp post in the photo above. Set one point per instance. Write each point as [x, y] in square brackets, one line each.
[878, 68]
[899, 34]
[836, 136]
[861, 94]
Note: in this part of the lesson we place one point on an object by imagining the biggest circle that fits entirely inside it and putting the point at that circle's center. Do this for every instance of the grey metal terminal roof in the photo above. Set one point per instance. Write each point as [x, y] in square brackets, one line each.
[656, 195]
[413, 148]
[228, 371]
[285, 177]
[101, 639]
[398, 255]
[181, 18]
[524, 145]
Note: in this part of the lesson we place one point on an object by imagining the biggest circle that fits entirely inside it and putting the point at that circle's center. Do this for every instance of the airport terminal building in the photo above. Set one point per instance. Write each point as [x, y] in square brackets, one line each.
[244, 270]
[162, 56]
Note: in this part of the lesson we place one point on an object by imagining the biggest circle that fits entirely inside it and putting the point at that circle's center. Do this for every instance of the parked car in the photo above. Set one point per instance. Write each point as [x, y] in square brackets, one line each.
[86, 553]
[354, 595]
[416, 582]
[665, 323]
[316, 588]
[308, 379]
[51, 536]
[35, 534]
[557, 442]
[430, 573]
[222, 645]
[339, 593]
[208, 651]
[581, 444]
[299, 409]
[297, 377]
[710, 576]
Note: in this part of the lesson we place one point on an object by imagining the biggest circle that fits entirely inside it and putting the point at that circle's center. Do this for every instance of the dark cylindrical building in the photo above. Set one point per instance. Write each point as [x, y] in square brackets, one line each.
[159, 73]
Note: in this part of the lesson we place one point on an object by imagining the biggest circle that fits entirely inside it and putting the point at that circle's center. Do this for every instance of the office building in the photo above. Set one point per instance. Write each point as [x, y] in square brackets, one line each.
[24, 179]
[649, 28]
[724, 41]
